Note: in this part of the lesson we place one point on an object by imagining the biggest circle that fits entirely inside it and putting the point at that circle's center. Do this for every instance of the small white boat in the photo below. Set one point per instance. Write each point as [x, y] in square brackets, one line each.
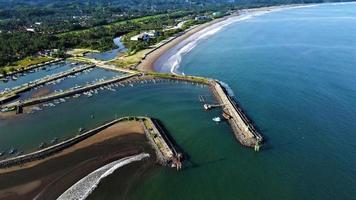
[217, 119]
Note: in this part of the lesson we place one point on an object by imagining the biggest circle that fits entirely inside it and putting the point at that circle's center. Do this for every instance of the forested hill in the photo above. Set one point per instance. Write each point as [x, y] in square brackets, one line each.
[30, 26]
[157, 4]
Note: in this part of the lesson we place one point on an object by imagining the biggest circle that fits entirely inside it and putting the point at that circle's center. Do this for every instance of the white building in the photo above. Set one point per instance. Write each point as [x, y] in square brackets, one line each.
[201, 18]
[30, 30]
[145, 36]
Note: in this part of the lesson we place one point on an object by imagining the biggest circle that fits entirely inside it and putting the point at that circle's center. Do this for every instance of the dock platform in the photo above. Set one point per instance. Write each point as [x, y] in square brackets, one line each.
[244, 130]
[18, 105]
[9, 95]
[166, 152]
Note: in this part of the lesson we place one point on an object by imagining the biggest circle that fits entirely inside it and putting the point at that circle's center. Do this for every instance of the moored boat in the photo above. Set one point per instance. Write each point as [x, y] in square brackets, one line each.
[217, 119]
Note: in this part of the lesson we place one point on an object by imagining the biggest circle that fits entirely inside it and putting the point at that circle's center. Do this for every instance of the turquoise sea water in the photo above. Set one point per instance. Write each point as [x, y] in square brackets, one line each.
[25, 132]
[293, 71]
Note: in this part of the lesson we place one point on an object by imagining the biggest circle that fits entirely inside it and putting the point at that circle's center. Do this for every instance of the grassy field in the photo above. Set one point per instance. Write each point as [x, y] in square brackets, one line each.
[24, 63]
[127, 61]
[80, 52]
[196, 79]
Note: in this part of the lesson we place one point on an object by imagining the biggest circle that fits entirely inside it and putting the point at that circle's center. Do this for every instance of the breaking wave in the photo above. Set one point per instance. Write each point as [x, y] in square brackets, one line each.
[174, 56]
[228, 88]
[174, 60]
[82, 189]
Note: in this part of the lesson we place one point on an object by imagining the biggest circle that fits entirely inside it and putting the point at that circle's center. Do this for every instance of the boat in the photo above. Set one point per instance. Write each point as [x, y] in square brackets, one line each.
[217, 119]
[2, 153]
[80, 130]
[12, 151]
[14, 78]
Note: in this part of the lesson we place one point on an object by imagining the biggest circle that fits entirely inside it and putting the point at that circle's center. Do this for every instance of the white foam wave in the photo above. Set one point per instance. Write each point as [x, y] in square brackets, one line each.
[82, 189]
[228, 88]
[173, 61]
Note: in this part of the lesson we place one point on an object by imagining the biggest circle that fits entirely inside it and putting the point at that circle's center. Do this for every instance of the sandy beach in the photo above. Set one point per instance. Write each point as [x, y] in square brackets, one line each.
[50, 177]
[147, 63]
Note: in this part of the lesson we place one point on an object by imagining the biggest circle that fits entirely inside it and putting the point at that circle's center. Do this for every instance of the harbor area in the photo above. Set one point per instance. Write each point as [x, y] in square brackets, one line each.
[161, 142]
[9, 94]
[242, 127]
[51, 175]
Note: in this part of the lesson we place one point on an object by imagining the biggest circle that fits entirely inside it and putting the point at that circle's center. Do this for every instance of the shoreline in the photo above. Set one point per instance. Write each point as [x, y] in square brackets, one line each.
[50, 177]
[147, 63]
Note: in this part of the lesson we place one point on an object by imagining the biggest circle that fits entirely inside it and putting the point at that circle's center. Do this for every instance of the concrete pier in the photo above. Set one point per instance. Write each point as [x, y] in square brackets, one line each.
[243, 129]
[46, 152]
[35, 66]
[50, 97]
[42, 81]
[166, 151]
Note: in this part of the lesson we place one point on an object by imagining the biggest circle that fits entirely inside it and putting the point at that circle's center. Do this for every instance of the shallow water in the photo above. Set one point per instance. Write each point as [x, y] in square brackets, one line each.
[25, 132]
[83, 188]
[109, 55]
[39, 73]
[80, 79]
[293, 71]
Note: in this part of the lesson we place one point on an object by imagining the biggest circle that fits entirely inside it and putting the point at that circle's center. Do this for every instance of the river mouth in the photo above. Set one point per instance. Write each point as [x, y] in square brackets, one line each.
[308, 119]
[109, 55]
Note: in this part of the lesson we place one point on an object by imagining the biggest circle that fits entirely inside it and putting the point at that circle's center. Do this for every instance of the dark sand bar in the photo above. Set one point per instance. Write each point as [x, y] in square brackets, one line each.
[50, 177]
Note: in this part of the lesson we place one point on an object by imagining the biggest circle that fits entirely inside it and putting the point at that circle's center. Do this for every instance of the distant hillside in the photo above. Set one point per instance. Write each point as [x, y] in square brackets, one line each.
[146, 3]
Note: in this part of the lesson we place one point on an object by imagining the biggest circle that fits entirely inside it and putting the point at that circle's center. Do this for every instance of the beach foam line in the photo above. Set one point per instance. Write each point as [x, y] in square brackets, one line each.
[174, 56]
[229, 90]
[174, 60]
[84, 187]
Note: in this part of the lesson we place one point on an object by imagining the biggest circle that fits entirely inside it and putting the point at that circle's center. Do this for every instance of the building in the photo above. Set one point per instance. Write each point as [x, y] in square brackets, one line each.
[140, 37]
[217, 14]
[145, 36]
[30, 30]
[201, 18]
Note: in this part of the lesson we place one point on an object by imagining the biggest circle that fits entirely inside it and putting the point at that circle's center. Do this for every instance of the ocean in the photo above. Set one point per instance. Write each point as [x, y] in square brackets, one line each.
[293, 72]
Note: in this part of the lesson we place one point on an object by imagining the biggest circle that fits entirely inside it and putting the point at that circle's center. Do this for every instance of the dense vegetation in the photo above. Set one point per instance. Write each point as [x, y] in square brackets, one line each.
[62, 24]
